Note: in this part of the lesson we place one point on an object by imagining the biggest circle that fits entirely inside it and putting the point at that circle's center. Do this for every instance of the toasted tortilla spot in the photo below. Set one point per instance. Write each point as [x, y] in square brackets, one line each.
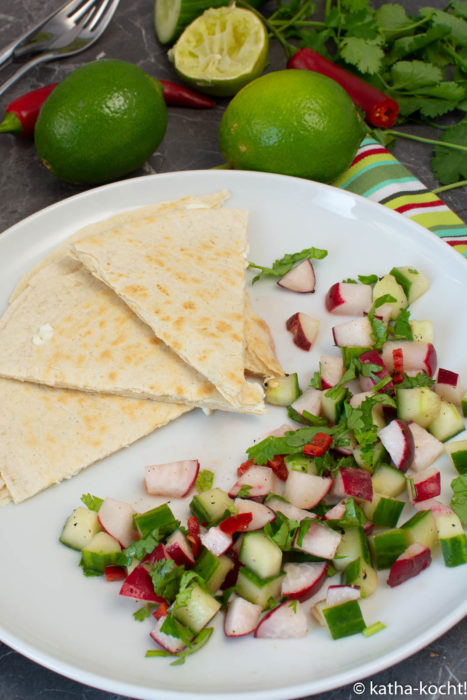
[189, 305]
[112, 376]
[223, 327]
[136, 290]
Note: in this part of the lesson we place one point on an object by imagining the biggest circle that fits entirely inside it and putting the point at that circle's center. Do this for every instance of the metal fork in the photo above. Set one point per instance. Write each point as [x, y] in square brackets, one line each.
[72, 29]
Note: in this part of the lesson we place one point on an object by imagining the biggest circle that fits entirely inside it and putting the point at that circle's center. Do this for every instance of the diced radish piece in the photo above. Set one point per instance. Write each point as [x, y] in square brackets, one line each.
[216, 541]
[178, 548]
[303, 580]
[171, 644]
[320, 541]
[304, 330]
[306, 490]
[241, 618]
[449, 386]
[157, 554]
[436, 507]
[289, 510]
[353, 482]
[331, 370]
[348, 299]
[398, 441]
[309, 401]
[337, 512]
[300, 278]
[410, 563]
[116, 518]
[115, 573]
[173, 479]
[139, 585]
[367, 383]
[286, 621]
[260, 512]
[416, 356]
[355, 333]
[425, 484]
[427, 447]
[260, 479]
[347, 449]
[341, 594]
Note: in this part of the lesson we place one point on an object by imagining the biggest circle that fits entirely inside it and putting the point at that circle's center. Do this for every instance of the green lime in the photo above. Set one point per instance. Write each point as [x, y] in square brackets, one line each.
[293, 122]
[101, 122]
[221, 51]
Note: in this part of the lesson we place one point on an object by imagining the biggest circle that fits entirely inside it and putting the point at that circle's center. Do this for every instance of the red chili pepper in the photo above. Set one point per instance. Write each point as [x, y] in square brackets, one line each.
[115, 573]
[398, 359]
[244, 467]
[193, 535]
[21, 114]
[236, 523]
[180, 96]
[279, 468]
[380, 109]
[318, 446]
[161, 611]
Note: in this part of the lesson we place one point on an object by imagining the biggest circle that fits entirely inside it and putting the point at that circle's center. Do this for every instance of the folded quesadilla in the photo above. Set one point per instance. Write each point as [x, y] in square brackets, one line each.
[184, 276]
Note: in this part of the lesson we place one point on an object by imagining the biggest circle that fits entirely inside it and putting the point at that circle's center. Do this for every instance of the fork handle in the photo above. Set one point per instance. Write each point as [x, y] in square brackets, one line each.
[24, 68]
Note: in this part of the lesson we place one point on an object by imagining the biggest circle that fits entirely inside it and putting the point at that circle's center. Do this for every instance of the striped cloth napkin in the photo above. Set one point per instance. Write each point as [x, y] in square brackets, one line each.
[376, 174]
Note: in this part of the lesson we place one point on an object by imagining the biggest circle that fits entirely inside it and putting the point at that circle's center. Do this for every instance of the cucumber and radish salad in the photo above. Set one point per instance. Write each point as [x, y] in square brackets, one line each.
[343, 498]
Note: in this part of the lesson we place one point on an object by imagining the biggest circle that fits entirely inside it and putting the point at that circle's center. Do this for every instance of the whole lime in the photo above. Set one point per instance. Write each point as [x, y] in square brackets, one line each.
[293, 122]
[102, 121]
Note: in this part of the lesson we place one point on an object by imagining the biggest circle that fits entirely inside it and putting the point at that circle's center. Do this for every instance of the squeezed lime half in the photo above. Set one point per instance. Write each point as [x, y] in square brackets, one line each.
[221, 51]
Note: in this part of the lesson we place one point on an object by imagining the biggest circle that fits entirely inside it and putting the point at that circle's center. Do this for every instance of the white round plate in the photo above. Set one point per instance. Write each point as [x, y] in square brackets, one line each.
[80, 627]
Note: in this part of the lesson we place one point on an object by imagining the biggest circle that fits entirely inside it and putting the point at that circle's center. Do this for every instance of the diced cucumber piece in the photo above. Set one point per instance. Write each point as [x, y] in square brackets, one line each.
[332, 408]
[422, 331]
[210, 506]
[260, 554]
[421, 528]
[386, 546]
[454, 550]
[388, 481]
[448, 423]
[388, 284]
[452, 539]
[457, 451]
[257, 590]
[345, 619]
[197, 609]
[300, 463]
[382, 510]
[361, 573]
[412, 282]
[419, 404]
[103, 550]
[80, 527]
[464, 405]
[379, 453]
[213, 569]
[282, 391]
[160, 518]
[172, 16]
[353, 545]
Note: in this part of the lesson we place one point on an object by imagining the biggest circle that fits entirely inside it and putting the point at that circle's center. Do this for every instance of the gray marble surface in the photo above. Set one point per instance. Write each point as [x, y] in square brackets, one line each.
[190, 143]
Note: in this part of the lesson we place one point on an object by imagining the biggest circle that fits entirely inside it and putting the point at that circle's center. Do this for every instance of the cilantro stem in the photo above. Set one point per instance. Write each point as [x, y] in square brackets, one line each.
[461, 183]
[423, 139]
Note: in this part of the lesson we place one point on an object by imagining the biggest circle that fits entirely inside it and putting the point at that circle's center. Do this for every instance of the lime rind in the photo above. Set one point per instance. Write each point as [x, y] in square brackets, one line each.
[222, 50]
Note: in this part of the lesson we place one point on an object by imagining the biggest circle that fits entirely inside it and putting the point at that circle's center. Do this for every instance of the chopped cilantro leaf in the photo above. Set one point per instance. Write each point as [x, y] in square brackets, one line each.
[421, 379]
[245, 490]
[459, 499]
[144, 612]
[166, 578]
[198, 643]
[282, 265]
[92, 502]
[204, 480]
[293, 441]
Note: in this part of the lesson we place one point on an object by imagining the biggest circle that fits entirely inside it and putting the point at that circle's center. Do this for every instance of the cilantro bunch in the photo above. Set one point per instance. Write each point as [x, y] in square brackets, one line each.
[420, 60]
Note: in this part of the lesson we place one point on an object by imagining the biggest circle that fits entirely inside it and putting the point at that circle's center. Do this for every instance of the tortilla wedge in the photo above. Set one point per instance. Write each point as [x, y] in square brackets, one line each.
[48, 435]
[69, 330]
[184, 276]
